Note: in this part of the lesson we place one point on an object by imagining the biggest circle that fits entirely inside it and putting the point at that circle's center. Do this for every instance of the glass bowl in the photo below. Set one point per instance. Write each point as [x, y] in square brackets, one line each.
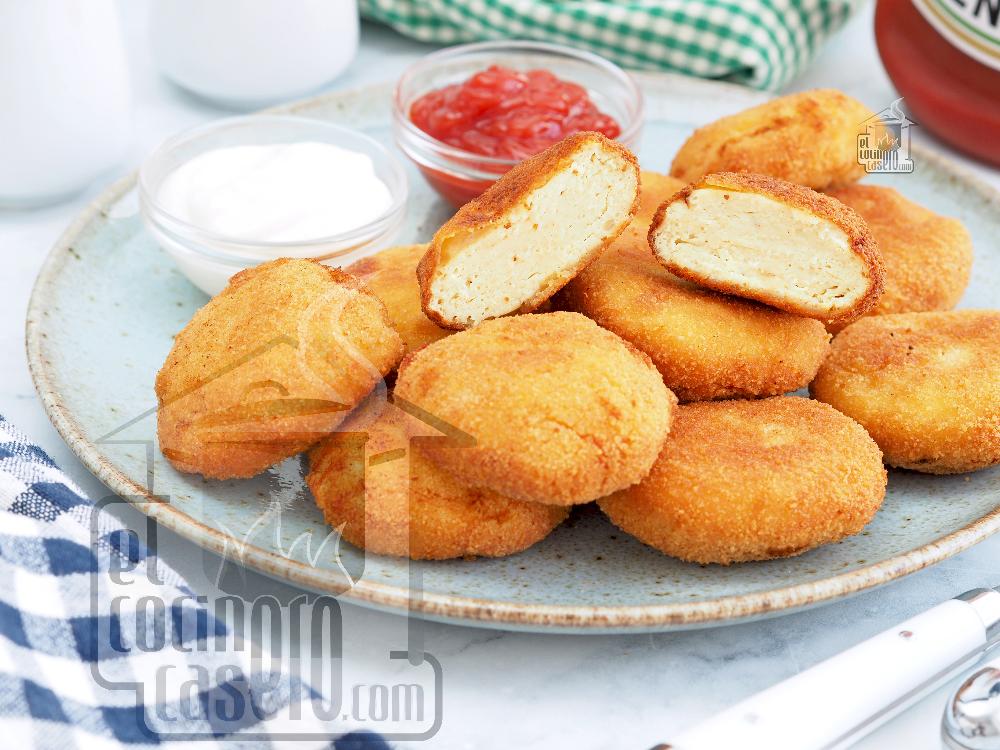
[460, 175]
[209, 259]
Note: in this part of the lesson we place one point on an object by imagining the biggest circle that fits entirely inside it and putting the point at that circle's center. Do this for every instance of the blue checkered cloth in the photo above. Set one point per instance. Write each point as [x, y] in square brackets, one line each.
[76, 665]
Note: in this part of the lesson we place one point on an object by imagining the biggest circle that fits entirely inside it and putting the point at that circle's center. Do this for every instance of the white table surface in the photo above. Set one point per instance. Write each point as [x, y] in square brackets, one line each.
[505, 690]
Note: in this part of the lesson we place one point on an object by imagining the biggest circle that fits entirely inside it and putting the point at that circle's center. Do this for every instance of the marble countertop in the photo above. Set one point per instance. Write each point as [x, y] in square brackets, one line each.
[504, 690]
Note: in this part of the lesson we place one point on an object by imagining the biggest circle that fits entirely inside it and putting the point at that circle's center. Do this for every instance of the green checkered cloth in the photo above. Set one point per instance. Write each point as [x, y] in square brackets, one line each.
[761, 43]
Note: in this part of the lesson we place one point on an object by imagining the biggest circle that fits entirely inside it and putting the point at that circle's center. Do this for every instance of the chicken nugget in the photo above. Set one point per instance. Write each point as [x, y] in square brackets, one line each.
[404, 505]
[927, 257]
[513, 247]
[270, 366]
[809, 138]
[392, 275]
[926, 386]
[754, 480]
[706, 345]
[561, 410]
[769, 240]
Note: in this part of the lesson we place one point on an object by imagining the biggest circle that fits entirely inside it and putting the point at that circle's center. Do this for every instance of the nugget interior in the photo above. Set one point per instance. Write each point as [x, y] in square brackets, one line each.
[491, 271]
[754, 243]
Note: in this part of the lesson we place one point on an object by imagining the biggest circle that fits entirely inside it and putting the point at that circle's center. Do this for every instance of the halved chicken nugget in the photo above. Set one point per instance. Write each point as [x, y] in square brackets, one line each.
[809, 138]
[769, 240]
[392, 275]
[561, 410]
[269, 367]
[927, 257]
[925, 385]
[387, 498]
[518, 243]
[754, 480]
[706, 345]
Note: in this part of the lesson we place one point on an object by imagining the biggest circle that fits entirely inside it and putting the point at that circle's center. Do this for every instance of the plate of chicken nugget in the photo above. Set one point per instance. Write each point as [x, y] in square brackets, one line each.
[723, 375]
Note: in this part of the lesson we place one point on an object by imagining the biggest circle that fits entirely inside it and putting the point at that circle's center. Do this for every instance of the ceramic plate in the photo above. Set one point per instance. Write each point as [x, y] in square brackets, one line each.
[108, 301]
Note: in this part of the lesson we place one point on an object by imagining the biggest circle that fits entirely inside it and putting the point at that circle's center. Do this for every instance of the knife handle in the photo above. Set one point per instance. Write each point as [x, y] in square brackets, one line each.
[839, 700]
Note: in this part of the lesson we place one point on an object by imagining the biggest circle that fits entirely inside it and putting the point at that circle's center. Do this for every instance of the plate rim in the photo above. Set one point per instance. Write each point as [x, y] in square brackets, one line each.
[456, 608]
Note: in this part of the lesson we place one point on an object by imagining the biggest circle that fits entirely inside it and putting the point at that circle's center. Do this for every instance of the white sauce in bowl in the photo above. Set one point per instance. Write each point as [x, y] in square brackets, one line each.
[285, 192]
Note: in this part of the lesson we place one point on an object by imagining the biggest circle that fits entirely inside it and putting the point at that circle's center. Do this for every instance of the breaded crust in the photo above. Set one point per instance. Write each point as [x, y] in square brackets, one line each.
[754, 480]
[511, 192]
[925, 385]
[860, 241]
[269, 367]
[561, 410]
[391, 275]
[809, 138]
[406, 506]
[927, 257]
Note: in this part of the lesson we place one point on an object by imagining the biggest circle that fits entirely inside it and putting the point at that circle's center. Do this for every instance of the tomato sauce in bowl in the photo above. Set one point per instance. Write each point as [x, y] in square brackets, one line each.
[508, 113]
[467, 114]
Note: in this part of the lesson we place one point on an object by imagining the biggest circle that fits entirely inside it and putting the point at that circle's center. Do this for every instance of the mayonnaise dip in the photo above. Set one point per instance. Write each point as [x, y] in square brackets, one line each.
[284, 192]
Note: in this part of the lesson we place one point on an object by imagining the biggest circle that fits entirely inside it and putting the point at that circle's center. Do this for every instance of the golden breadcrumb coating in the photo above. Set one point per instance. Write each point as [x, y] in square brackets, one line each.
[405, 505]
[531, 231]
[561, 410]
[809, 138]
[706, 345]
[269, 367]
[927, 257]
[926, 386]
[754, 480]
[831, 271]
[392, 276]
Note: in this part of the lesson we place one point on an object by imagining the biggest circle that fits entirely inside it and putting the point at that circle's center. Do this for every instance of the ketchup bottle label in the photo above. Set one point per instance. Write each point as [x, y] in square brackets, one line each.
[971, 25]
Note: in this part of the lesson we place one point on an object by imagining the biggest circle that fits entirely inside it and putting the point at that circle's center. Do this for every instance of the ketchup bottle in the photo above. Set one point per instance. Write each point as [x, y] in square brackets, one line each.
[944, 58]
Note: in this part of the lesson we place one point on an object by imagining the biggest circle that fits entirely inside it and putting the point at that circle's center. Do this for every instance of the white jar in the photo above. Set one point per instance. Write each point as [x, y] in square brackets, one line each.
[64, 94]
[247, 53]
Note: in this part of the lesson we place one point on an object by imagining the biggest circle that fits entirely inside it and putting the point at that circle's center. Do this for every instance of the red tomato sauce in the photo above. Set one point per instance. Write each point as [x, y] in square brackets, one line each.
[509, 114]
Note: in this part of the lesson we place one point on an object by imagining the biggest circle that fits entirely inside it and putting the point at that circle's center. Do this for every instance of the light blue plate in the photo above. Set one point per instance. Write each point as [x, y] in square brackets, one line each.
[108, 301]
